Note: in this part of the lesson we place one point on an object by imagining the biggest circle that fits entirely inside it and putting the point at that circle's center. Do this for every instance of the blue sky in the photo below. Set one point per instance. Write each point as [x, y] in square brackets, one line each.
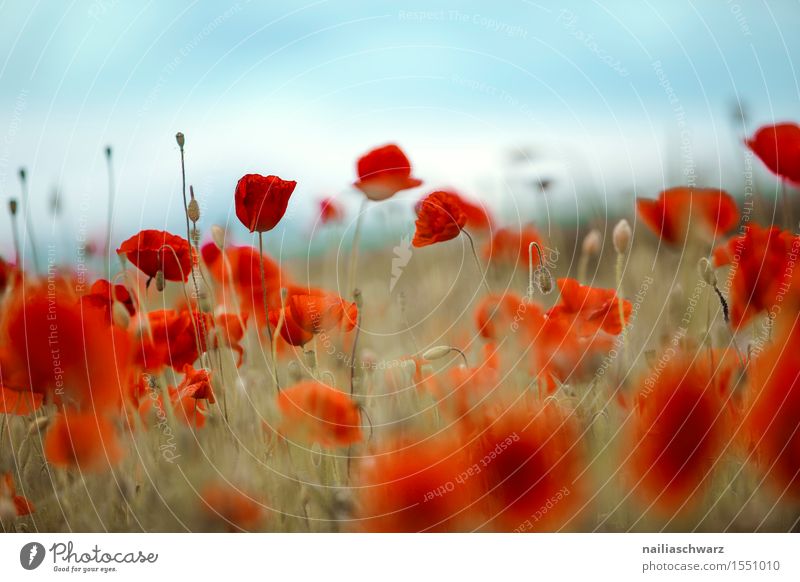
[598, 96]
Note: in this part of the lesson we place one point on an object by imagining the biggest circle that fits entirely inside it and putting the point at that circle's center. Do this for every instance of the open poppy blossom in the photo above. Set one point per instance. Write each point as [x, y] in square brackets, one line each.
[292, 333]
[772, 411]
[234, 509]
[440, 218]
[778, 146]
[590, 309]
[68, 354]
[410, 487]
[82, 441]
[172, 340]
[330, 210]
[157, 250]
[317, 311]
[383, 172]
[495, 314]
[528, 460]
[102, 295]
[678, 211]
[511, 246]
[8, 493]
[196, 384]
[478, 218]
[189, 410]
[261, 201]
[317, 413]
[762, 266]
[679, 432]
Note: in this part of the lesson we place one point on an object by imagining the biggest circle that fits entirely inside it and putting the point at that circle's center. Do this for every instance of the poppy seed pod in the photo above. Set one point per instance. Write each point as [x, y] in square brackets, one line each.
[622, 236]
[592, 243]
[193, 210]
[180, 139]
[12, 206]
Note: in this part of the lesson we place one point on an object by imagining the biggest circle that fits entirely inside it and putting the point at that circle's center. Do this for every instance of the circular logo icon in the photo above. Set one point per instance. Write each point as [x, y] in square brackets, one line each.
[31, 555]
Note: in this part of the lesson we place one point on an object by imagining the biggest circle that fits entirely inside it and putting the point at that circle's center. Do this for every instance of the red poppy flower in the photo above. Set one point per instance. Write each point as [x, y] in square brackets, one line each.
[261, 201]
[230, 333]
[772, 417]
[82, 441]
[314, 412]
[589, 309]
[232, 507]
[778, 146]
[760, 260]
[189, 410]
[680, 429]
[172, 340]
[412, 487]
[495, 314]
[19, 402]
[531, 461]
[383, 172]
[70, 355]
[8, 493]
[678, 211]
[440, 218]
[317, 311]
[292, 333]
[156, 250]
[511, 246]
[330, 211]
[196, 384]
[102, 296]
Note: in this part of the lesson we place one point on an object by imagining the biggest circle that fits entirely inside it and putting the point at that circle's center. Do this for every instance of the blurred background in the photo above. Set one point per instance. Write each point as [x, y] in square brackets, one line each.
[546, 112]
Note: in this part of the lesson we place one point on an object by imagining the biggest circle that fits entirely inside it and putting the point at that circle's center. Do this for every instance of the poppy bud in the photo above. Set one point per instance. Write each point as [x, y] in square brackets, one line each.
[544, 280]
[436, 353]
[218, 236]
[592, 243]
[622, 236]
[160, 283]
[193, 210]
[12, 206]
[707, 273]
[23, 173]
[180, 139]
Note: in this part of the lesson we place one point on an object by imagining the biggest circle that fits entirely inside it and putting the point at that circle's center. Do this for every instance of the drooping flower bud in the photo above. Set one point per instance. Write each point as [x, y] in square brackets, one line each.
[707, 272]
[160, 282]
[436, 353]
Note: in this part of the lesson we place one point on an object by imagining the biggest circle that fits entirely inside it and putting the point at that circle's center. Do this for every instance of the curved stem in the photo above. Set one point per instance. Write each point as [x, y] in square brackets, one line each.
[110, 214]
[477, 260]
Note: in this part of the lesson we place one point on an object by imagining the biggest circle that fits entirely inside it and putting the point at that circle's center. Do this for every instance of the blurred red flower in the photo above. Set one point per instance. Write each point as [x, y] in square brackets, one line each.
[8, 493]
[762, 264]
[589, 309]
[261, 201]
[317, 413]
[231, 506]
[677, 212]
[511, 246]
[495, 314]
[292, 333]
[317, 311]
[82, 441]
[383, 172]
[410, 486]
[778, 146]
[680, 430]
[196, 384]
[102, 295]
[172, 340]
[440, 218]
[330, 210]
[157, 250]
